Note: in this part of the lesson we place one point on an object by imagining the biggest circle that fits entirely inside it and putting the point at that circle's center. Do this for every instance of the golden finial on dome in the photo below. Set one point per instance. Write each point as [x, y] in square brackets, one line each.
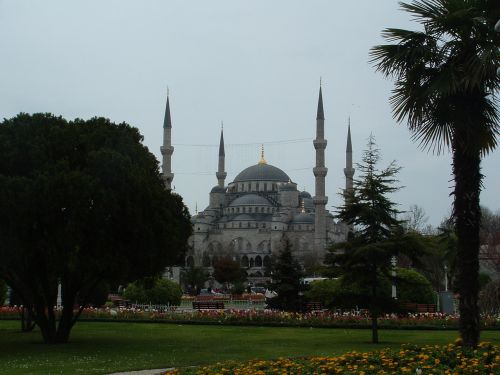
[262, 160]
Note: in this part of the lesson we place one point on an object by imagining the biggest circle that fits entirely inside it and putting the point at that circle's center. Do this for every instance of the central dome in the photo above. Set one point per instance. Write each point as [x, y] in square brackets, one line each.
[262, 172]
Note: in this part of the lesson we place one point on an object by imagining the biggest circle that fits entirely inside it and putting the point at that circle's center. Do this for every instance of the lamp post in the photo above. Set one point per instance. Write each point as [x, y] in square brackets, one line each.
[393, 274]
[445, 278]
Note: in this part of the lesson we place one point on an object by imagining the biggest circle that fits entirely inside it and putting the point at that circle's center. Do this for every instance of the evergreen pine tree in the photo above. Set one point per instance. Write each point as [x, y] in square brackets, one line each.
[286, 276]
[375, 236]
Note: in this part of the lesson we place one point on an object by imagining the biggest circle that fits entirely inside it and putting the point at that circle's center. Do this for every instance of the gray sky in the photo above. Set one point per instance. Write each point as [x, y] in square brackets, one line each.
[253, 64]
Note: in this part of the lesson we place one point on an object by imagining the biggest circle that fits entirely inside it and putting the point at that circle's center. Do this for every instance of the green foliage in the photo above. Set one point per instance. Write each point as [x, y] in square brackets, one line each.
[193, 278]
[157, 292]
[413, 287]
[3, 292]
[135, 292]
[484, 279]
[376, 236]
[82, 202]
[227, 270]
[96, 295]
[238, 288]
[286, 276]
[324, 291]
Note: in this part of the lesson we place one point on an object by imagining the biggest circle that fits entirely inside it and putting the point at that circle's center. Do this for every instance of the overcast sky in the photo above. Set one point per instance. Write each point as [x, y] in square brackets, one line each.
[253, 64]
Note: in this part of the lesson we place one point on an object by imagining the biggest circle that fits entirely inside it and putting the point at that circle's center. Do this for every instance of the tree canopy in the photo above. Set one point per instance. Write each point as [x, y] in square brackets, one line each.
[375, 237]
[82, 203]
[286, 274]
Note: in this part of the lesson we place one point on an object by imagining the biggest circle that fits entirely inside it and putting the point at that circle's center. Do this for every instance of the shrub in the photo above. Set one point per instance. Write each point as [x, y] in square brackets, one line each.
[414, 287]
[159, 292]
[3, 292]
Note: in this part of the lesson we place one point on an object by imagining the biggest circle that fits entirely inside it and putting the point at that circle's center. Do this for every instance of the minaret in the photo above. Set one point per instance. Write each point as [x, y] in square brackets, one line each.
[348, 170]
[221, 174]
[167, 150]
[320, 172]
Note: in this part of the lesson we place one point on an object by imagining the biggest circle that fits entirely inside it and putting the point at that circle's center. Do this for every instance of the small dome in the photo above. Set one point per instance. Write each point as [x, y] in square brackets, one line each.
[304, 194]
[249, 200]
[262, 172]
[303, 218]
[218, 189]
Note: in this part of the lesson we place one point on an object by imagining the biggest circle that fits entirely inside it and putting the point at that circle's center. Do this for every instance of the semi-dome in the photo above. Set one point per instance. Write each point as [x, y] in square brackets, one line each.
[250, 200]
[303, 218]
[262, 172]
[218, 189]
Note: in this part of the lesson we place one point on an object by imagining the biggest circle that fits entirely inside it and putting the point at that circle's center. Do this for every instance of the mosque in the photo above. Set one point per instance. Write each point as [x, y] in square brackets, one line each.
[252, 217]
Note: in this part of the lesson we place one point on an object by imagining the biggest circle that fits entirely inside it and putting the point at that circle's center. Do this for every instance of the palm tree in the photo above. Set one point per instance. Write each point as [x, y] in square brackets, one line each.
[445, 89]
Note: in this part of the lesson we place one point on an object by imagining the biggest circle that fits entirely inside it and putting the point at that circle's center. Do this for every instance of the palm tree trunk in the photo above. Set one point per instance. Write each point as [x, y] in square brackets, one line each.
[467, 214]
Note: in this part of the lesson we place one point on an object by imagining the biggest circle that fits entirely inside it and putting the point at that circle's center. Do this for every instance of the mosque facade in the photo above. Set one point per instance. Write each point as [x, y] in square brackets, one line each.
[252, 218]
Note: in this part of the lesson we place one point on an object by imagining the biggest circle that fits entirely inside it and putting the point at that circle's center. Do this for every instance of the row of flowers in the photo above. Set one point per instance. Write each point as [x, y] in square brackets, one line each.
[409, 359]
[273, 317]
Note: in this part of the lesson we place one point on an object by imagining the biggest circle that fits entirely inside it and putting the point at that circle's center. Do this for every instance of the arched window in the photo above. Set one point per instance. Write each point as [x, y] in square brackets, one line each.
[262, 209]
[258, 261]
[244, 209]
[263, 225]
[267, 261]
[244, 261]
[252, 262]
[190, 261]
[206, 260]
[240, 224]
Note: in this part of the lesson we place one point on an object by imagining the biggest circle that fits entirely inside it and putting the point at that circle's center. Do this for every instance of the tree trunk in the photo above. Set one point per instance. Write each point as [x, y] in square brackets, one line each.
[467, 215]
[27, 323]
[374, 329]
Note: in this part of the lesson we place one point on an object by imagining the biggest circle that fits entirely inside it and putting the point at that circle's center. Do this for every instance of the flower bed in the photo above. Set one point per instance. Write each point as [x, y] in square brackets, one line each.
[351, 319]
[409, 359]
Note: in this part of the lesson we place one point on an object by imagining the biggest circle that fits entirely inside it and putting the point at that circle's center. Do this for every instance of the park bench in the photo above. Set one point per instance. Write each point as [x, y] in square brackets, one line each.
[419, 307]
[314, 306]
[208, 305]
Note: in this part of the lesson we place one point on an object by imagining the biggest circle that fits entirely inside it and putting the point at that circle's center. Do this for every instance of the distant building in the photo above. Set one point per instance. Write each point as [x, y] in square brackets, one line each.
[250, 218]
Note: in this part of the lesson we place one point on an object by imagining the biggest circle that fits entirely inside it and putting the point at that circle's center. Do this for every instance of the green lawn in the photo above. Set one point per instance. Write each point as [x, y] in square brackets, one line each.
[100, 348]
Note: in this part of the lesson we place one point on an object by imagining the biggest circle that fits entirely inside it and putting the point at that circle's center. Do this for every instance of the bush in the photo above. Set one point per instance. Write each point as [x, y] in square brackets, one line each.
[3, 292]
[160, 292]
[414, 287]
[411, 287]
[323, 291]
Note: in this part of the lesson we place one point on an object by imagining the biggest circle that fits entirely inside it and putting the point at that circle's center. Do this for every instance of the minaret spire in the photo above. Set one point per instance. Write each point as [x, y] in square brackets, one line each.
[167, 150]
[262, 160]
[348, 170]
[221, 173]
[320, 172]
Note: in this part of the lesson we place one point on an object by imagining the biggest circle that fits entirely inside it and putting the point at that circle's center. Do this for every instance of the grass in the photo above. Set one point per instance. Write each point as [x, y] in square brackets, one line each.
[101, 348]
